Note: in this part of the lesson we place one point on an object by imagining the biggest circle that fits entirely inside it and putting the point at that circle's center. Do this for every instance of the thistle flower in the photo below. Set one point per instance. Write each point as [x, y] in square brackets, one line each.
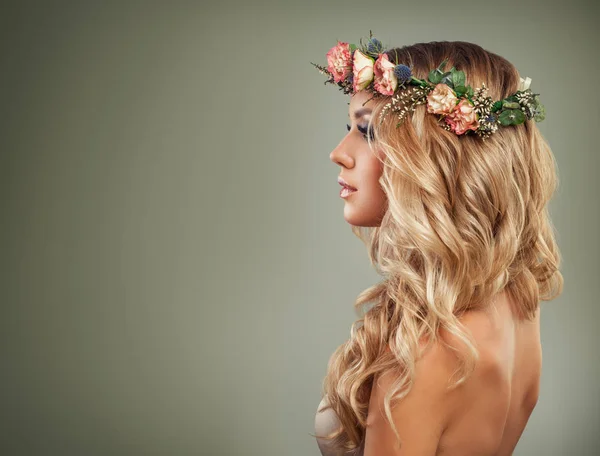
[403, 73]
[374, 46]
[463, 108]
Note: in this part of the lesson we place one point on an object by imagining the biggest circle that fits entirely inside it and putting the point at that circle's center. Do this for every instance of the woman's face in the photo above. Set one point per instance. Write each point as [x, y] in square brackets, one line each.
[360, 167]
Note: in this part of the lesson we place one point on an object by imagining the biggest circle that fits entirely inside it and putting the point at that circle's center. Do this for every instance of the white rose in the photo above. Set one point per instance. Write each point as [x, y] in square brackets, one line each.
[363, 71]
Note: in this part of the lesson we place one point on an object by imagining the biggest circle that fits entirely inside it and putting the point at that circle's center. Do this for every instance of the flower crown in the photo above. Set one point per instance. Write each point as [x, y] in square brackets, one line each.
[461, 108]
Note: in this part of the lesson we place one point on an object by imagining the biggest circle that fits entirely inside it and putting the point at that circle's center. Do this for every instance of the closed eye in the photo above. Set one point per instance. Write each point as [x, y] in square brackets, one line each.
[364, 130]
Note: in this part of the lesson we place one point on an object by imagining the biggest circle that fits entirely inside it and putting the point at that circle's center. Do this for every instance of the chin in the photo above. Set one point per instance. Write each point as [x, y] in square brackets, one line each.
[361, 219]
[362, 216]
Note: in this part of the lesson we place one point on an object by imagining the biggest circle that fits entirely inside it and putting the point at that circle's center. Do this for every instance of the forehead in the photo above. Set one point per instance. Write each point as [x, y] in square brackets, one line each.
[360, 103]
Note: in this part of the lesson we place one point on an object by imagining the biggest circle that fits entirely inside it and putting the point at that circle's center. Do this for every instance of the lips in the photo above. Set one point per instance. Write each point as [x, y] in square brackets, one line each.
[343, 183]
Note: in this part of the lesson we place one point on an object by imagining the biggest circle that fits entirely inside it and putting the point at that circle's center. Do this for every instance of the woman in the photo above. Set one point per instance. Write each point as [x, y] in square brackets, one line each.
[446, 179]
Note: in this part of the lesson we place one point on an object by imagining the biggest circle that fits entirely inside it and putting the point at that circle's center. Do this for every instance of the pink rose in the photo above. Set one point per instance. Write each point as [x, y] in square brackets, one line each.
[385, 80]
[339, 61]
[441, 100]
[363, 71]
[463, 117]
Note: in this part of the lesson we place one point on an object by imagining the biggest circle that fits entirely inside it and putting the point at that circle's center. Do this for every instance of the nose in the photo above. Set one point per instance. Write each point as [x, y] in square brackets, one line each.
[340, 155]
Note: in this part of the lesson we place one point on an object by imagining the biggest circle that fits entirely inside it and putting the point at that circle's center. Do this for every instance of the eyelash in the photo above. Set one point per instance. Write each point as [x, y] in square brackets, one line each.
[364, 131]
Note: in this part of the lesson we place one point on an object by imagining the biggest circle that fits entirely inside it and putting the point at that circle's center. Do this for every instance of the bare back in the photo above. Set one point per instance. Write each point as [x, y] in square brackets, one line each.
[504, 387]
[498, 397]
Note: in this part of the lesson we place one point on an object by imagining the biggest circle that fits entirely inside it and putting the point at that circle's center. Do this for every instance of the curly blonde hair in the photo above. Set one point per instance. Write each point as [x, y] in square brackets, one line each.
[466, 220]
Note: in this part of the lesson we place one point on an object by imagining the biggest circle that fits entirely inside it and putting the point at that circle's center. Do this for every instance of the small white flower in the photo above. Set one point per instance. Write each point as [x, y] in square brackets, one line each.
[525, 83]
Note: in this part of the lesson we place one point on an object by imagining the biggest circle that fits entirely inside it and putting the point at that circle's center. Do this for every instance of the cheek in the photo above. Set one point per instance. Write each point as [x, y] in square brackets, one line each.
[376, 196]
[368, 206]
[373, 173]
[373, 196]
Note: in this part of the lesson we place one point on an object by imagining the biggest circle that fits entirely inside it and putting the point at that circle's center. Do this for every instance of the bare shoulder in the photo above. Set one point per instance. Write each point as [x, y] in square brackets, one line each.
[421, 416]
[434, 419]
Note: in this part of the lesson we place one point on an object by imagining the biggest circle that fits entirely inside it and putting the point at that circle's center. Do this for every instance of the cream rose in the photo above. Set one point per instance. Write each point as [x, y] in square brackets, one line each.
[385, 81]
[362, 71]
[463, 117]
[441, 100]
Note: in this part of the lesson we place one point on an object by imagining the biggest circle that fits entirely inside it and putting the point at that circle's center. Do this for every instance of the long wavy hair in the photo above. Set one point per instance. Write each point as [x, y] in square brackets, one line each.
[466, 219]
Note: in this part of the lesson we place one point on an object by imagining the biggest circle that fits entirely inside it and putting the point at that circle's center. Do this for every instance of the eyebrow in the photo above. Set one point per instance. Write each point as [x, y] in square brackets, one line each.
[360, 112]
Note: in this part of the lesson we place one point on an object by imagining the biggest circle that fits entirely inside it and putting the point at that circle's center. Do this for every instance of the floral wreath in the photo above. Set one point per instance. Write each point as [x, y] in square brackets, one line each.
[461, 108]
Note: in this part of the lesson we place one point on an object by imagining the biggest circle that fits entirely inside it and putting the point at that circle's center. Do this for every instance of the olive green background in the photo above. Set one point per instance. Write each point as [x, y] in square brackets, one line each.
[176, 269]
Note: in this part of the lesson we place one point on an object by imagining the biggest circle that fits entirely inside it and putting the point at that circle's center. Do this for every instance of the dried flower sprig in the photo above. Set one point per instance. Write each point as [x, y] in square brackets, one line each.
[461, 108]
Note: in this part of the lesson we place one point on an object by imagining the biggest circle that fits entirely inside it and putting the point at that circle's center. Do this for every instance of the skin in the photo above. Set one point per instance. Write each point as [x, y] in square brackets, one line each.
[489, 413]
[360, 167]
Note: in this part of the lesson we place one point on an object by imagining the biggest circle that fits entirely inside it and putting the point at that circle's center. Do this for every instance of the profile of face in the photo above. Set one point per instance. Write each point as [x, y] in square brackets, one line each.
[360, 167]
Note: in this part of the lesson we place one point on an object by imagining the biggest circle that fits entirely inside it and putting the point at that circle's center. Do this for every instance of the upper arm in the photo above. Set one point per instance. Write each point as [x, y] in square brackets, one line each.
[421, 416]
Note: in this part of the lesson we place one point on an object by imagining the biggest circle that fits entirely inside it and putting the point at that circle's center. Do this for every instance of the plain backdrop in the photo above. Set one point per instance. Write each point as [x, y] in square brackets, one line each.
[176, 270]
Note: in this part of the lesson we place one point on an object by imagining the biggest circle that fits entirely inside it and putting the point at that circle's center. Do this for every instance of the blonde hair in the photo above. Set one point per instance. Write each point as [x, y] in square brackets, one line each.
[466, 220]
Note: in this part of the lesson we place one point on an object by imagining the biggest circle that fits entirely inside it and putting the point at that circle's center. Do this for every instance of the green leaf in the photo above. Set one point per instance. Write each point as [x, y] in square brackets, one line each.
[460, 90]
[458, 78]
[511, 117]
[504, 118]
[352, 47]
[511, 105]
[540, 113]
[441, 66]
[435, 76]
[447, 79]
[417, 81]
[519, 117]
[512, 98]
[470, 91]
[496, 106]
